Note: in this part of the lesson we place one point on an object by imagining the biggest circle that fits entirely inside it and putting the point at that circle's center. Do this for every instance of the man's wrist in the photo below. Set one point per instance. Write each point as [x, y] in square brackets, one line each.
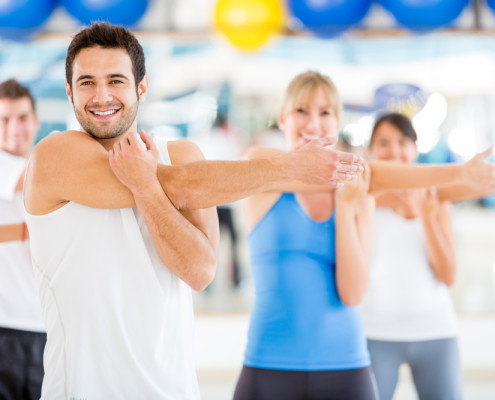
[461, 174]
[286, 166]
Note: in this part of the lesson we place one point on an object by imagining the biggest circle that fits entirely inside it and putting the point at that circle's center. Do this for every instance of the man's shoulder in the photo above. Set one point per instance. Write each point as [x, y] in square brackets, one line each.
[64, 137]
[63, 143]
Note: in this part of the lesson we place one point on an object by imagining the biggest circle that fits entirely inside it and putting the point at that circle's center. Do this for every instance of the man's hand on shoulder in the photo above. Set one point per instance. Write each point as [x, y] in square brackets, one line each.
[135, 163]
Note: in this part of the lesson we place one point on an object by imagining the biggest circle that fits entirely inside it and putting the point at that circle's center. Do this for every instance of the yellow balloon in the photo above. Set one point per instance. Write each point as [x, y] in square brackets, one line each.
[249, 24]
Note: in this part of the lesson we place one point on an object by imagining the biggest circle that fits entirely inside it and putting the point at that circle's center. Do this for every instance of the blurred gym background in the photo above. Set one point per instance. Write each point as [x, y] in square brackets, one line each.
[217, 70]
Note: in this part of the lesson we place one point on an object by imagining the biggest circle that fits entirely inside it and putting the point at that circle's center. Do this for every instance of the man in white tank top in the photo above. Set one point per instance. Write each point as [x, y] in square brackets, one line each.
[119, 237]
[22, 332]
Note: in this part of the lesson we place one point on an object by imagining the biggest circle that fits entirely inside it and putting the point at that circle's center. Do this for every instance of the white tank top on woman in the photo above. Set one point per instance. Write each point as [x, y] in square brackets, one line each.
[119, 322]
[405, 301]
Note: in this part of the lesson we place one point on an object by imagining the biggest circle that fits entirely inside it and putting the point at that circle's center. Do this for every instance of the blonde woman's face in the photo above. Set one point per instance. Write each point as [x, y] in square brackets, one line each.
[314, 120]
[389, 144]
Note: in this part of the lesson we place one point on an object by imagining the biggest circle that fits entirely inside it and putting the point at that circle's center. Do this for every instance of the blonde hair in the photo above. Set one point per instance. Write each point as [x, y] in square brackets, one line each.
[304, 86]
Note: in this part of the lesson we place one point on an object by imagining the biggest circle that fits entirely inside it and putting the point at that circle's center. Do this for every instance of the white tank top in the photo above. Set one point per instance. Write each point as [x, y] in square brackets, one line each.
[19, 302]
[119, 323]
[405, 301]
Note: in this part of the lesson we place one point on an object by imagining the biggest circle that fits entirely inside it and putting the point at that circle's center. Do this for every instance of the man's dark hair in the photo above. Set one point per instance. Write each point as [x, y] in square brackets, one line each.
[107, 36]
[13, 90]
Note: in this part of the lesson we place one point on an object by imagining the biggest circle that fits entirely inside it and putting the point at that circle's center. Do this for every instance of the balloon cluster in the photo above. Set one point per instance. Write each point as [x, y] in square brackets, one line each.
[20, 19]
[249, 24]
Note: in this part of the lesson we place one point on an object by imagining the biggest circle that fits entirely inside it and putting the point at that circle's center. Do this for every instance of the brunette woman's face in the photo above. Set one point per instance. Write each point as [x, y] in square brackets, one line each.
[390, 144]
[314, 120]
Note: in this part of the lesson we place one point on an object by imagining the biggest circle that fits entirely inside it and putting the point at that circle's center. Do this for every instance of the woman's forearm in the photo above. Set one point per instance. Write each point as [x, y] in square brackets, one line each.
[396, 176]
[476, 174]
[352, 269]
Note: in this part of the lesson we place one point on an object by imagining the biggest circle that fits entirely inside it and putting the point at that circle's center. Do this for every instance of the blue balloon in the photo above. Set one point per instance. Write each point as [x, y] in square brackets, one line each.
[425, 14]
[491, 4]
[328, 18]
[20, 18]
[118, 12]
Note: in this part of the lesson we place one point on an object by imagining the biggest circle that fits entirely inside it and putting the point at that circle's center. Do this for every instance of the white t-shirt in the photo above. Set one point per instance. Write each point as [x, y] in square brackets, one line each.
[119, 322]
[405, 301]
[19, 302]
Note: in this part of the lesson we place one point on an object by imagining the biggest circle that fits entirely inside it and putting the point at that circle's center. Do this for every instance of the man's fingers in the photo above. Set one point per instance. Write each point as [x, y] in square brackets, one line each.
[354, 168]
[147, 140]
[344, 176]
[117, 147]
[328, 141]
[350, 158]
[132, 139]
[336, 184]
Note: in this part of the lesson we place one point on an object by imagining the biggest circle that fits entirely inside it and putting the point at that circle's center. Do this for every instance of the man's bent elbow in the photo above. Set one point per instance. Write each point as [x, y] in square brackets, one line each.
[203, 279]
[205, 268]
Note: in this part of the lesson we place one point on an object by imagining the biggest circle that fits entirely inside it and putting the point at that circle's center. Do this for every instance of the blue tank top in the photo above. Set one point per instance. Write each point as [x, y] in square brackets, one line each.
[298, 321]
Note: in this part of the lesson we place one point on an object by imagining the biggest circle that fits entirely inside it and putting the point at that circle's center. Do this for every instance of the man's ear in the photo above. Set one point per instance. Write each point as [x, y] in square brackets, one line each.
[143, 89]
[68, 91]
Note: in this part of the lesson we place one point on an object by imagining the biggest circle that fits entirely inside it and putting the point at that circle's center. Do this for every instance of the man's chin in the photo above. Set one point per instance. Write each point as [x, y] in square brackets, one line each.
[103, 135]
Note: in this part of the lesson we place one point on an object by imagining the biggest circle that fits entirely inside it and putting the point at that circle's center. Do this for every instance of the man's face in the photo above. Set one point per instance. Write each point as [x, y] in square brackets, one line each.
[103, 92]
[18, 126]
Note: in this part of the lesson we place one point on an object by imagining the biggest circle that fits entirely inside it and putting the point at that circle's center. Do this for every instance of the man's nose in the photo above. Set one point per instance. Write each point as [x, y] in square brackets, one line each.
[102, 95]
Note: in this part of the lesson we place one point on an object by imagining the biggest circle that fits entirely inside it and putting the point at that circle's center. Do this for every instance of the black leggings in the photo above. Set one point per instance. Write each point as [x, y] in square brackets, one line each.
[272, 384]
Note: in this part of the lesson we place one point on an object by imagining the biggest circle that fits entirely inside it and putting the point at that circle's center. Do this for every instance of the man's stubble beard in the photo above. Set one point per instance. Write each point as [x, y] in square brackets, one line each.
[115, 129]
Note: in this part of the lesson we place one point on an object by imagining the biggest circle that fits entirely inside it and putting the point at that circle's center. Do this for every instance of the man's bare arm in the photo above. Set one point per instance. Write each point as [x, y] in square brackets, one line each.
[186, 241]
[209, 183]
[72, 166]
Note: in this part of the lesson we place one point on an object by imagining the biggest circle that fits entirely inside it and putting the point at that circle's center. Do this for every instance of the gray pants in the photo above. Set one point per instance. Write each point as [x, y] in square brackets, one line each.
[435, 367]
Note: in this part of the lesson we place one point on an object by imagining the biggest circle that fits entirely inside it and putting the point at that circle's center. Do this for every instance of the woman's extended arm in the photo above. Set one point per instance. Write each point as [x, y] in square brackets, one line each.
[353, 240]
[477, 174]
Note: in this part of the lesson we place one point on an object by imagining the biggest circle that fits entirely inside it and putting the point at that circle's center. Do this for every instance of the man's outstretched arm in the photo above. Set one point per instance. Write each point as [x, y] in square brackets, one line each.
[72, 166]
[210, 183]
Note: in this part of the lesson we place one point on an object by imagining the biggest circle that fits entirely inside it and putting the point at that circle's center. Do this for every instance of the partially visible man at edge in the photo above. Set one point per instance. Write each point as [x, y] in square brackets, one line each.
[22, 332]
[116, 263]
